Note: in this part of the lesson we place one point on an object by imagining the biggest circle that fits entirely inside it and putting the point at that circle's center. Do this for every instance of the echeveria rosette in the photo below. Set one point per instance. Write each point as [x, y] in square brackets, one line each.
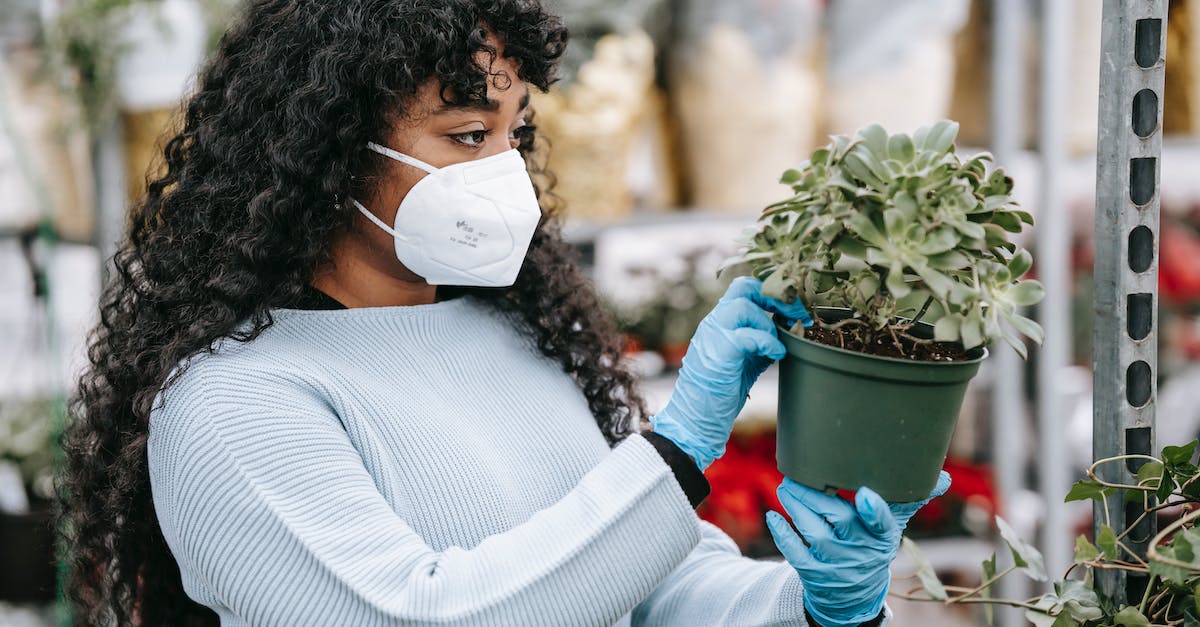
[891, 226]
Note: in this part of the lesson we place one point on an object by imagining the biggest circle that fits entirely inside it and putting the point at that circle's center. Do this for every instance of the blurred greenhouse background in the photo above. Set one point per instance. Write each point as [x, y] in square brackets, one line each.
[669, 131]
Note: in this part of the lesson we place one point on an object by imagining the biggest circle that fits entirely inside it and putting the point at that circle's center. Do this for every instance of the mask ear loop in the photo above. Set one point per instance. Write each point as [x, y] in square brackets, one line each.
[401, 157]
[373, 218]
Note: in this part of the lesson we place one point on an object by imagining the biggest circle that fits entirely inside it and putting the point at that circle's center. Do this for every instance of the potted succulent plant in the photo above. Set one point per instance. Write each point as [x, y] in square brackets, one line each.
[903, 251]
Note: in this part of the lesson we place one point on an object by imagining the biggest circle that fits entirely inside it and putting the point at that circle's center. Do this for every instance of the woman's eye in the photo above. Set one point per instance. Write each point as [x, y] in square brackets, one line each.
[474, 139]
[522, 131]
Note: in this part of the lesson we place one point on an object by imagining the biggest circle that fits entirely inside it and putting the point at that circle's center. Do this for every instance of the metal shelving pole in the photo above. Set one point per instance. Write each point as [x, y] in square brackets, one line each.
[1125, 357]
[1053, 234]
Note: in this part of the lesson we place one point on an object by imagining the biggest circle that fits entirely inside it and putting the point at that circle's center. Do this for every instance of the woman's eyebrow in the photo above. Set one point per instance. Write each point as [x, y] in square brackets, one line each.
[490, 106]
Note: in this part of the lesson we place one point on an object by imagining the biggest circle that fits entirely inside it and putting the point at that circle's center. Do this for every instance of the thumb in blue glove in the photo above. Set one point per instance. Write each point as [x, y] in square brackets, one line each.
[733, 345]
[903, 512]
[842, 552]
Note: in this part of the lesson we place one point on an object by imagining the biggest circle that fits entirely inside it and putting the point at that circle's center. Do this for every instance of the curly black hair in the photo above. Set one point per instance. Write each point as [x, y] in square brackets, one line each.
[242, 216]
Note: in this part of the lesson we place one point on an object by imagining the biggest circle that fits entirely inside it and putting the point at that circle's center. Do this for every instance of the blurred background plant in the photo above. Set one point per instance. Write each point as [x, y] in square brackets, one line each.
[27, 450]
[83, 48]
[679, 298]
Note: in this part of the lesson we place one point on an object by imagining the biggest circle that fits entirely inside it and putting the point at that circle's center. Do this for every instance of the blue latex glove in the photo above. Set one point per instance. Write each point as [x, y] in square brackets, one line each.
[734, 344]
[843, 553]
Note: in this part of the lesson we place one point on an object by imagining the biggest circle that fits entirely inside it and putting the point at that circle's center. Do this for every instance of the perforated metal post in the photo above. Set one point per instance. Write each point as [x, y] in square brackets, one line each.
[1125, 355]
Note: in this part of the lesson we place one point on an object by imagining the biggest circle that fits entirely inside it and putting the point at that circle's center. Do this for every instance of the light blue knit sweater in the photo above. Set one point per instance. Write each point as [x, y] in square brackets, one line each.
[426, 465]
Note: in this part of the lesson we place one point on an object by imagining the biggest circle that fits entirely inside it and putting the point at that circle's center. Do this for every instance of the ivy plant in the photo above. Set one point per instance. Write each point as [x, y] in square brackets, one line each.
[1168, 484]
[900, 229]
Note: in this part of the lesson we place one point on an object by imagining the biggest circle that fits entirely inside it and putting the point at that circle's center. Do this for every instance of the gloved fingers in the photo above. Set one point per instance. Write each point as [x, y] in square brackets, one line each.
[755, 343]
[751, 288]
[875, 514]
[790, 544]
[741, 312]
[905, 511]
[823, 542]
[837, 512]
[943, 484]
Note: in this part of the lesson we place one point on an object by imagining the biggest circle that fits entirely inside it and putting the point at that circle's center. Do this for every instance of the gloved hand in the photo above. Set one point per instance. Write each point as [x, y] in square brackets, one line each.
[843, 553]
[734, 344]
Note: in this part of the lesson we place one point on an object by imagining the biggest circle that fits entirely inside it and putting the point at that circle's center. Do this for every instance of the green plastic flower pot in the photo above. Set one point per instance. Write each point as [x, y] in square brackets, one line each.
[848, 419]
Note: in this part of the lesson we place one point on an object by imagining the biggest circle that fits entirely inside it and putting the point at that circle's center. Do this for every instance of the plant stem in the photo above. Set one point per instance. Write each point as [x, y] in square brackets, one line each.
[842, 323]
[1132, 554]
[1153, 553]
[983, 586]
[1120, 486]
[1010, 602]
[1146, 597]
[896, 341]
[924, 308]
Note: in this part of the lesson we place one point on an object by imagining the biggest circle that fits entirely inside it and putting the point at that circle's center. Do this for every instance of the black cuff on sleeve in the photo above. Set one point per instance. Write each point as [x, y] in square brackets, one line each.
[874, 622]
[687, 473]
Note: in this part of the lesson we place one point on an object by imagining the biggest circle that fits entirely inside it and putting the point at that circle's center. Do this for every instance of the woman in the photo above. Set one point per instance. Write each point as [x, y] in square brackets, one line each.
[347, 372]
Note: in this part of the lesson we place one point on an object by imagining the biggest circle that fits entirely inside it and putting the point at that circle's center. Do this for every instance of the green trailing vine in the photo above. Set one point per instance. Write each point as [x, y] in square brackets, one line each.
[1168, 484]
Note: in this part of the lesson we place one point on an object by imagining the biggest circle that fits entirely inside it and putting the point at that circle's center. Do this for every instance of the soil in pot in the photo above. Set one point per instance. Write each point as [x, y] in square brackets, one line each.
[898, 347]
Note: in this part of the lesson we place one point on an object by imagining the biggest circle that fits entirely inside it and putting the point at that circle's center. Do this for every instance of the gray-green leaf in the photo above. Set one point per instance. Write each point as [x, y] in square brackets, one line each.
[1027, 558]
[929, 579]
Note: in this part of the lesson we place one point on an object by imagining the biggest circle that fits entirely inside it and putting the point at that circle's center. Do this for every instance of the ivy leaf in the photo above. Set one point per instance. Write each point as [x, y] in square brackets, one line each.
[1078, 600]
[1179, 454]
[929, 579]
[1166, 485]
[1170, 572]
[1087, 489]
[1149, 472]
[1190, 618]
[1129, 616]
[989, 572]
[1106, 540]
[1027, 558]
[1085, 551]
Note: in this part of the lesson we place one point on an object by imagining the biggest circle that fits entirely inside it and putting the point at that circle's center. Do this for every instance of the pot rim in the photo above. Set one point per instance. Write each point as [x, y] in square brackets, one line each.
[983, 351]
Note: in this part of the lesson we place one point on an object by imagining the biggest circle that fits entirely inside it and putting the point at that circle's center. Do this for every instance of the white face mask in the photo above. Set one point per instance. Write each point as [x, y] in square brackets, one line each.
[466, 224]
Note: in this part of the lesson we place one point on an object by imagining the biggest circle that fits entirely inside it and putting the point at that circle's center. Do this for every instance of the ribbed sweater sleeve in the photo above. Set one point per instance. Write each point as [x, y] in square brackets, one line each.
[263, 497]
[718, 586]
